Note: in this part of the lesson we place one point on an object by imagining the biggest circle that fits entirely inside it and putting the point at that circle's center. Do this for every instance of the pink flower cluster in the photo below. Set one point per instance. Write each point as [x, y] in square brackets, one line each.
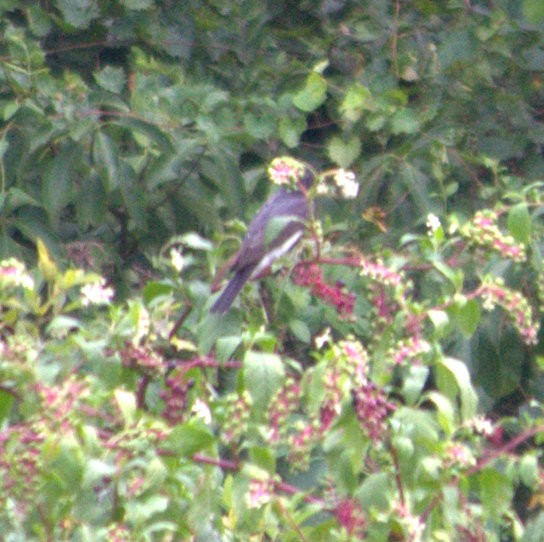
[409, 350]
[378, 272]
[350, 515]
[483, 231]
[495, 293]
[312, 276]
[237, 411]
[260, 492]
[175, 396]
[21, 441]
[372, 409]
[285, 170]
[61, 402]
[282, 405]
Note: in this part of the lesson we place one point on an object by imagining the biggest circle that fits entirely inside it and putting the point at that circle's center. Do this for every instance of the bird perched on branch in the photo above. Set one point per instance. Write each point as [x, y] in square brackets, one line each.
[276, 228]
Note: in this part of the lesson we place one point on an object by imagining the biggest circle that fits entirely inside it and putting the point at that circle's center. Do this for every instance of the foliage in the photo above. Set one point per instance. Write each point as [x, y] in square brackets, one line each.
[387, 386]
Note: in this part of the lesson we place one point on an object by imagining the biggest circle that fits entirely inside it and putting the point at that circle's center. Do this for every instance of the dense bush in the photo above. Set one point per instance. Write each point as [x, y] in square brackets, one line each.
[383, 383]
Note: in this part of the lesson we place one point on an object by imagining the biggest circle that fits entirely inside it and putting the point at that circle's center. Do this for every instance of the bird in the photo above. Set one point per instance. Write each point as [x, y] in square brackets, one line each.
[276, 228]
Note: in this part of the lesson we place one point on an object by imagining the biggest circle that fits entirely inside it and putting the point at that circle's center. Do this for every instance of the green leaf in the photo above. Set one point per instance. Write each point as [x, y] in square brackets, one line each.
[10, 108]
[110, 78]
[259, 126]
[6, 402]
[263, 375]
[187, 439]
[468, 317]
[300, 330]
[137, 4]
[263, 458]
[226, 346]
[149, 133]
[126, 401]
[313, 93]
[496, 492]
[445, 412]
[92, 203]
[405, 121]
[79, 13]
[529, 470]
[58, 181]
[290, 130]
[533, 10]
[133, 195]
[105, 157]
[355, 102]
[16, 198]
[519, 223]
[154, 290]
[343, 153]
[453, 380]
[376, 491]
[414, 382]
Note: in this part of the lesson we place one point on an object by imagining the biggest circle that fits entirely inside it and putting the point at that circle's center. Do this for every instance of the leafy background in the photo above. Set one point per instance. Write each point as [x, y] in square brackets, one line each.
[131, 127]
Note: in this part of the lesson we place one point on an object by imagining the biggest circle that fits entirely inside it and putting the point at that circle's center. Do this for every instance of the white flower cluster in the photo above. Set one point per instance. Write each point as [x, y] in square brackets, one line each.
[96, 293]
[346, 183]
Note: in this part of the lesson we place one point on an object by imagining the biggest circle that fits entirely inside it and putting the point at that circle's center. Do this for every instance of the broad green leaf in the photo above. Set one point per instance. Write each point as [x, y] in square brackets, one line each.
[46, 264]
[66, 462]
[529, 470]
[6, 402]
[533, 10]
[300, 330]
[355, 102]
[445, 412]
[414, 382]
[454, 380]
[126, 401]
[10, 109]
[137, 4]
[150, 133]
[405, 121]
[79, 13]
[156, 290]
[58, 181]
[33, 223]
[259, 126]
[313, 94]
[468, 316]
[519, 223]
[16, 198]
[376, 491]
[39, 20]
[290, 130]
[196, 241]
[263, 458]
[439, 319]
[263, 375]
[134, 197]
[139, 511]
[496, 492]
[61, 325]
[343, 153]
[110, 78]
[226, 346]
[187, 439]
[105, 157]
[92, 203]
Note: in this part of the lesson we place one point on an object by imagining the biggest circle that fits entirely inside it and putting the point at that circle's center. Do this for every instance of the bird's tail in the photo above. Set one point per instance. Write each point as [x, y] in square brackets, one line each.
[228, 295]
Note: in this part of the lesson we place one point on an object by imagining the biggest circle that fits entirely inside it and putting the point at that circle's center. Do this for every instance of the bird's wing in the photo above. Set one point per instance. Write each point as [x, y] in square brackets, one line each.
[281, 204]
